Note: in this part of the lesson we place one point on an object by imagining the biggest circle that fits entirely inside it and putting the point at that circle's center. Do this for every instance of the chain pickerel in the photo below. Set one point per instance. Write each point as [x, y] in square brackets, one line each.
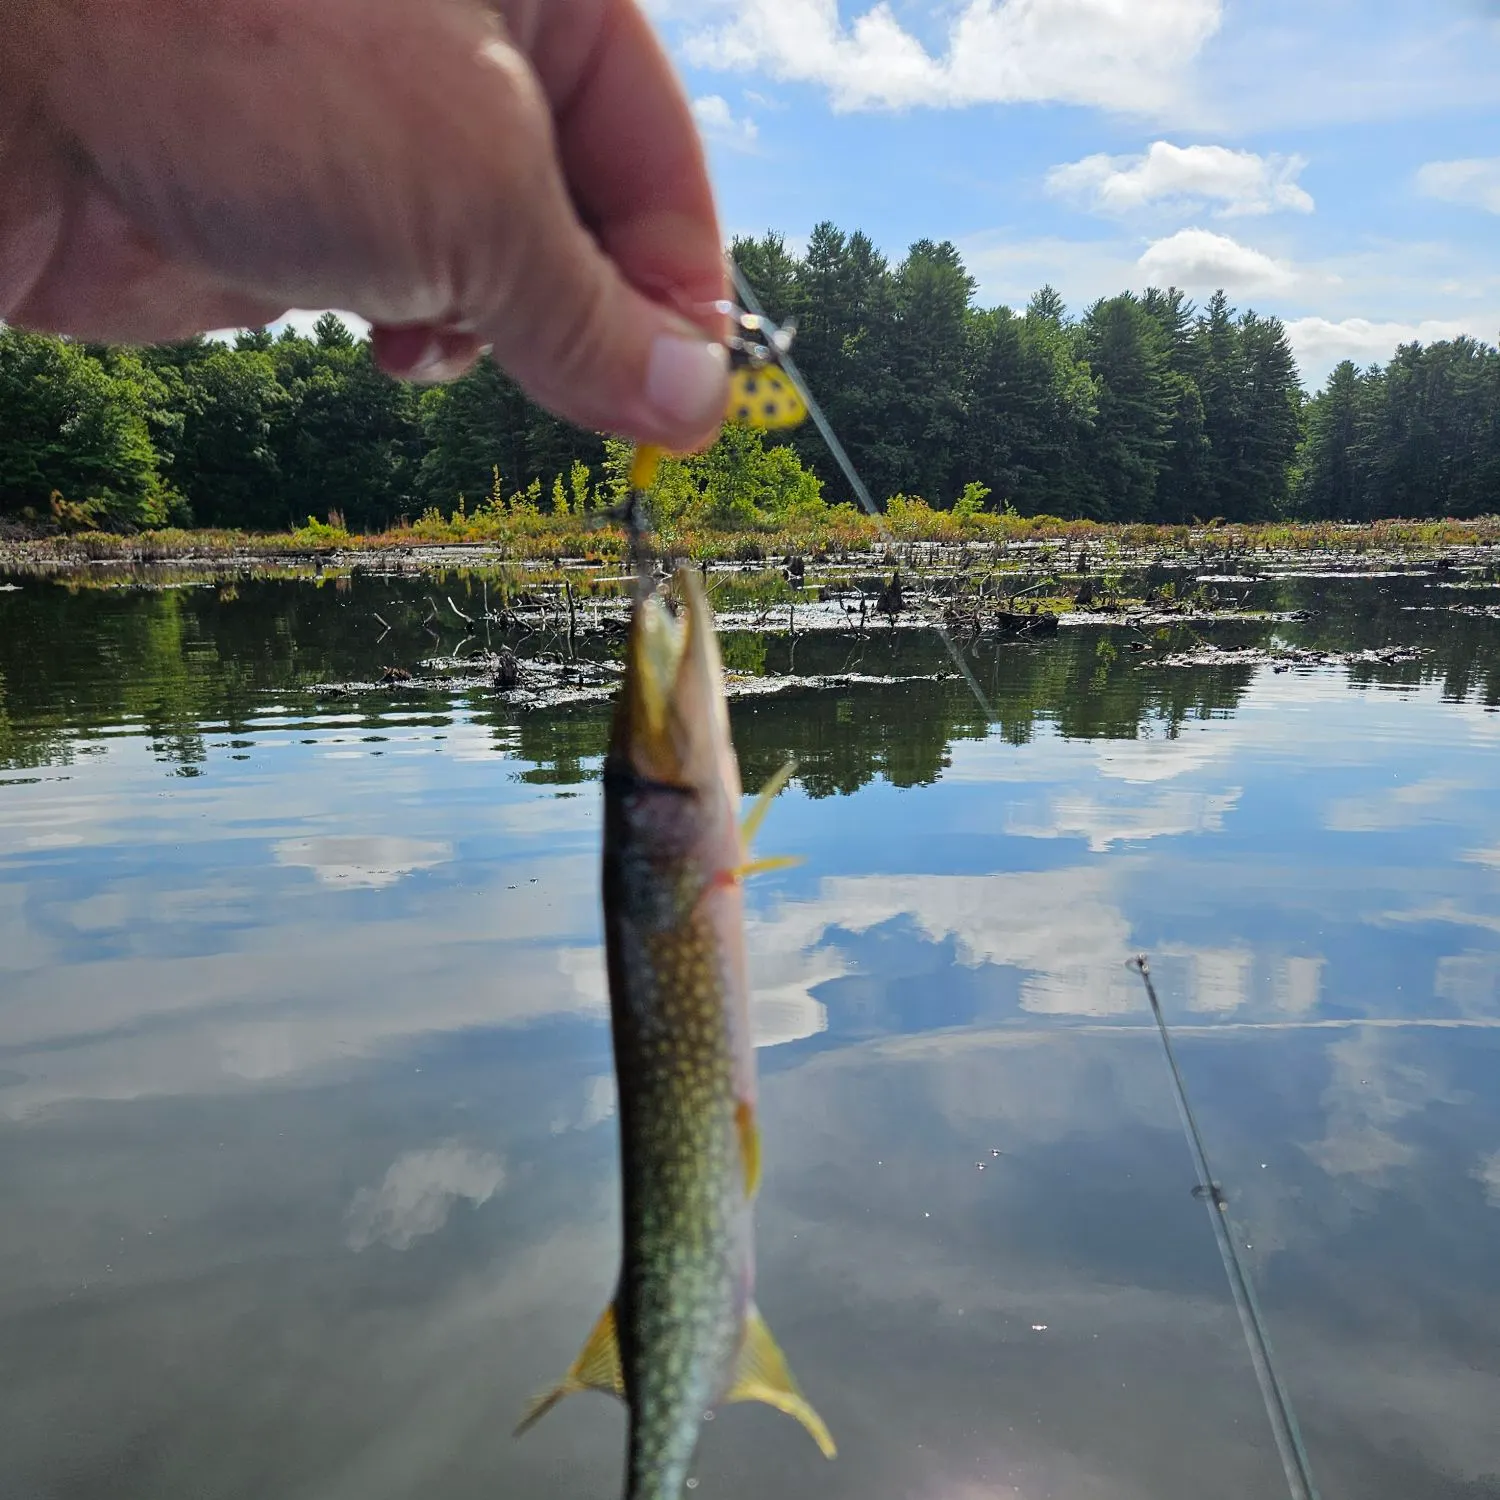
[683, 1331]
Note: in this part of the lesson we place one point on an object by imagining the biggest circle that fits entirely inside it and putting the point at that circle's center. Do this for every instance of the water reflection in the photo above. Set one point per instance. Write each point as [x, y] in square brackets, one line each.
[305, 1099]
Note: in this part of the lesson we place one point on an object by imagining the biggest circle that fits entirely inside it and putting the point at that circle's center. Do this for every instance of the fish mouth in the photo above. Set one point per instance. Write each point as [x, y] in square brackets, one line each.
[670, 720]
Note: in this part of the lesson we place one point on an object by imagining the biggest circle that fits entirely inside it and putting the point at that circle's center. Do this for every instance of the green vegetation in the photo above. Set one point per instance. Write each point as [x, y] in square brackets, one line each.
[541, 540]
[1144, 409]
[1420, 437]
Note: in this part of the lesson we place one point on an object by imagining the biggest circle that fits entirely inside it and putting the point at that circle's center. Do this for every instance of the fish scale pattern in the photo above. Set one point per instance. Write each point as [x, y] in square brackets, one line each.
[681, 1295]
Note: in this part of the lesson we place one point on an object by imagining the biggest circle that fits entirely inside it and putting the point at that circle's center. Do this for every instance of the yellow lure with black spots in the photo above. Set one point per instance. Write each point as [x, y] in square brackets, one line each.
[762, 394]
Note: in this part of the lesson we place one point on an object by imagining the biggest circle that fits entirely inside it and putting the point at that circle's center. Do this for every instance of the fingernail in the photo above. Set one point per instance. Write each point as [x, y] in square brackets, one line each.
[433, 365]
[685, 379]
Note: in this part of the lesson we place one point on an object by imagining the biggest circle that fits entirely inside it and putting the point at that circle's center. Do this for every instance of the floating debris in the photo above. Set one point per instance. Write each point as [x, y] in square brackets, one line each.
[507, 671]
[552, 683]
[1284, 658]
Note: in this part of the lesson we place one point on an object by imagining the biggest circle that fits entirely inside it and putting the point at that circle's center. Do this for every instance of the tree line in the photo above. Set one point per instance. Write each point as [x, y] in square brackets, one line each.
[1142, 408]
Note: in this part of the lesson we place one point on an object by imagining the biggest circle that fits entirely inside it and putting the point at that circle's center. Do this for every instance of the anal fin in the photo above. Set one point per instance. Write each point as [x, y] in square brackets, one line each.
[762, 1375]
[597, 1368]
[748, 1129]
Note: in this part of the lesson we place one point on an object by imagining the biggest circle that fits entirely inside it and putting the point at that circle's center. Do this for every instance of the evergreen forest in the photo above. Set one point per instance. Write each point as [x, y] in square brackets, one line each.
[1138, 408]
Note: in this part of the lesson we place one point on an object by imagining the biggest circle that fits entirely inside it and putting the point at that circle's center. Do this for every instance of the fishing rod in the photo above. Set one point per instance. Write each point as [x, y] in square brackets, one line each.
[1273, 1392]
[1278, 1404]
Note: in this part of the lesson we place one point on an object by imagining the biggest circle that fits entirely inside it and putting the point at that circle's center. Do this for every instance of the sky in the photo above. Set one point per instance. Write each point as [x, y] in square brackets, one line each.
[1335, 163]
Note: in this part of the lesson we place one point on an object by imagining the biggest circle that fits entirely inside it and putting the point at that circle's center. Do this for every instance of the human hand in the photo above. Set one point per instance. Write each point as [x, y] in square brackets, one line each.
[173, 166]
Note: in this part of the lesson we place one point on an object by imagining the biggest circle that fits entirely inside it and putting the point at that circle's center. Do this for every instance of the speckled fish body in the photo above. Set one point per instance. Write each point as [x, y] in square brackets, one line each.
[683, 1331]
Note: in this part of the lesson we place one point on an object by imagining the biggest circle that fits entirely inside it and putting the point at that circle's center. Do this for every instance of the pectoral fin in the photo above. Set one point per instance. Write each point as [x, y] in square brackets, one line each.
[762, 804]
[762, 1375]
[766, 865]
[597, 1368]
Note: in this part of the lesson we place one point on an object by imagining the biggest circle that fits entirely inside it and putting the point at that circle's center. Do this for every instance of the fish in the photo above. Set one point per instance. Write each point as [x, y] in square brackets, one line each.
[682, 1331]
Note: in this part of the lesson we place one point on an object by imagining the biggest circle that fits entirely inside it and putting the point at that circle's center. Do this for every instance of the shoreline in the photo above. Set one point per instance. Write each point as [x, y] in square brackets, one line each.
[940, 537]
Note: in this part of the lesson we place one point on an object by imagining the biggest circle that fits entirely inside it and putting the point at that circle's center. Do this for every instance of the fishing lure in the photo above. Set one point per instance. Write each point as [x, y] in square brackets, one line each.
[762, 394]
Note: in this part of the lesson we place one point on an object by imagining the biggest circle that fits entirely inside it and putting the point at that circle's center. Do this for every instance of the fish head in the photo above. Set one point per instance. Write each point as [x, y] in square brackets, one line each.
[672, 818]
[671, 724]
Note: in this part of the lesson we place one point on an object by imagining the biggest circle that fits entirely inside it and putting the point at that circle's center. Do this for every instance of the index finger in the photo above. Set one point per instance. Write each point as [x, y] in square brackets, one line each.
[632, 154]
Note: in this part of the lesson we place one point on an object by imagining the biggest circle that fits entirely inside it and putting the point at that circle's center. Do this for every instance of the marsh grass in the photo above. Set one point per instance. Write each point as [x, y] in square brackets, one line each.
[836, 531]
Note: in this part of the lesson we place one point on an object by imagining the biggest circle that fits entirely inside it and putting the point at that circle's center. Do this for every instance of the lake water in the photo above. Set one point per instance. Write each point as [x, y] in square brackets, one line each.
[307, 1152]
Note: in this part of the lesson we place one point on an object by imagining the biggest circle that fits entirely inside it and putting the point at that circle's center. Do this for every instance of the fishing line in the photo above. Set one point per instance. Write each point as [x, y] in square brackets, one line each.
[1273, 1393]
[846, 467]
[1279, 1413]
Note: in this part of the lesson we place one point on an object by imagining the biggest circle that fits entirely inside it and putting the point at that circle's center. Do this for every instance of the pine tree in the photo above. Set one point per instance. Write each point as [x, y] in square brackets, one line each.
[1272, 417]
[930, 356]
[227, 463]
[472, 426]
[1330, 482]
[1126, 351]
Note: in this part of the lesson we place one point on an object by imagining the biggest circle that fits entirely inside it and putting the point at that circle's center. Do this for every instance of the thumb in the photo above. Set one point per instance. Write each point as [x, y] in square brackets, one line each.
[584, 342]
[563, 321]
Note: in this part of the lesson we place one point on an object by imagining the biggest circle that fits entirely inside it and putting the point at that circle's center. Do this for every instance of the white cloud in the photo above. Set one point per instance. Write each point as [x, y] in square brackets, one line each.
[1199, 259]
[301, 320]
[1009, 269]
[1105, 823]
[1320, 343]
[1064, 928]
[1469, 982]
[419, 1189]
[1147, 760]
[1216, 981]
[1473, 181]
[1092, 52]
[297, 999]
[1488, 1173]
[1369, 1091]
[1398, 807]
[370, 861]
[1220, 979]
[721, 125]
[1184, 177]
[601, 1099]
[1423, 290]
[1298, 984]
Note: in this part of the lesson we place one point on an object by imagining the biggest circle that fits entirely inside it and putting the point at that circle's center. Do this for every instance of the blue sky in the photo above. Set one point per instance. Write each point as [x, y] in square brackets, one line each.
[1334, 162]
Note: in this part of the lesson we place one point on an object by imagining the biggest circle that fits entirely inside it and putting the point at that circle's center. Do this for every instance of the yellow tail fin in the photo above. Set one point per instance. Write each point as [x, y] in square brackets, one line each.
[597, 1368]
[762, 1375]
